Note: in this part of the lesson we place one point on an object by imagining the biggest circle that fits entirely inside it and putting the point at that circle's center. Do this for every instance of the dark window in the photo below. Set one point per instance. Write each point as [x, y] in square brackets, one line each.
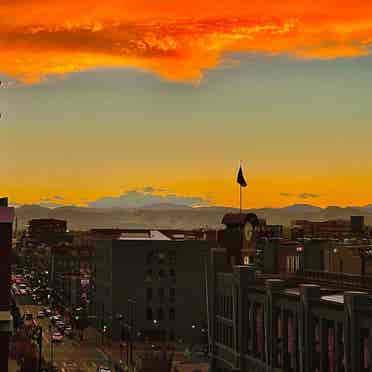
[161, 273]
[149, 294]
[160, 314]
[149, 275]
[150, 257]
[161, 294]
[161, 258]
[172, 257]
[149, 313]
[172, 273]
[172, 293]
[172, 314]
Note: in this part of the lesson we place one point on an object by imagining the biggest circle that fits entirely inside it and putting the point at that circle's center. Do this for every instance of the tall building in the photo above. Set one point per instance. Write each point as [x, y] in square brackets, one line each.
[6, 229]
[157, 277]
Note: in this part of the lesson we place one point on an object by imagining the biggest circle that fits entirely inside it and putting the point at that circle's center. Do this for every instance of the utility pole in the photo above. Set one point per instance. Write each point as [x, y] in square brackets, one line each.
[103, 322]
[132, 313]
[40, 342]
[51, 349]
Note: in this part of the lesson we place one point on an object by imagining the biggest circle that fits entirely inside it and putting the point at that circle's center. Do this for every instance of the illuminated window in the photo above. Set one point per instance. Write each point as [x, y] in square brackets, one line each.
[246, 260]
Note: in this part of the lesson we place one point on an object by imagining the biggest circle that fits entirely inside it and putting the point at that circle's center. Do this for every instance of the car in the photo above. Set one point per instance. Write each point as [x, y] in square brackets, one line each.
[60, 324]
[68, 331]
[40, 314]
[57, 337]
[47, 311]
[103, 369]
[55, 318]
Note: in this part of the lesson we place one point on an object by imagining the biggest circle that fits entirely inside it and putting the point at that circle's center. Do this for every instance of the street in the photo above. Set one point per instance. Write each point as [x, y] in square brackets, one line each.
[69, 355]
[72, 355]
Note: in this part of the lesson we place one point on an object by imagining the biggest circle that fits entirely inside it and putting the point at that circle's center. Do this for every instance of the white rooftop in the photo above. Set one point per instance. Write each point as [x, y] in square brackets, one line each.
[338, 298]
[147, 235]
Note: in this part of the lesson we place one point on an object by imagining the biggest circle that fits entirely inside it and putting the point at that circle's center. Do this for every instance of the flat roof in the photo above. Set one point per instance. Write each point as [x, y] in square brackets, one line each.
[337, 298]
[6, 214]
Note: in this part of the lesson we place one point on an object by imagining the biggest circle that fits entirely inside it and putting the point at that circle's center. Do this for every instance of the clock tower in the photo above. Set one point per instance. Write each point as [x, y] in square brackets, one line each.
[238, 238]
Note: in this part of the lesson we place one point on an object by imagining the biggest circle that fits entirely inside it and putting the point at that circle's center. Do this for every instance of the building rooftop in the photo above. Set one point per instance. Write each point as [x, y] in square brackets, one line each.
[239, 219]
[337, 298]
[6, 214]
[146, 235]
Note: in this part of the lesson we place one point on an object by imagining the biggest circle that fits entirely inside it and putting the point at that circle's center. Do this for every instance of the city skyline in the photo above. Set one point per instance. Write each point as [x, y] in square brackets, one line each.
[101, 99]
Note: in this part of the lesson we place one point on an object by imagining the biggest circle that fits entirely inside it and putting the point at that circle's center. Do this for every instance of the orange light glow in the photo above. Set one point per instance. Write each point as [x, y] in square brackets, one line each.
[176, 41]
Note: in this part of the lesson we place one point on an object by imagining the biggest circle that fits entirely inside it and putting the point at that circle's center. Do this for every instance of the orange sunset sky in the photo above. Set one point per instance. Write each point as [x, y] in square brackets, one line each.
[165, 97]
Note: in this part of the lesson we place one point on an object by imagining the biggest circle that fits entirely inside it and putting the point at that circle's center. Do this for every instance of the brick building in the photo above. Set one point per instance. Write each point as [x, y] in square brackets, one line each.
[262, 324]
[328, 229]
[6, 230]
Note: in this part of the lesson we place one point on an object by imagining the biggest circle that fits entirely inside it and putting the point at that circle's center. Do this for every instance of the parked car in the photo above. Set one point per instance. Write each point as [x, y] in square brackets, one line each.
[40, 314]
[57, 337]
[54, 318]
[60, 324]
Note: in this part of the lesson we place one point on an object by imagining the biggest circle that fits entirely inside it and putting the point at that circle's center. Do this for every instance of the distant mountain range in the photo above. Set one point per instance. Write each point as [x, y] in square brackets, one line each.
[176, 216]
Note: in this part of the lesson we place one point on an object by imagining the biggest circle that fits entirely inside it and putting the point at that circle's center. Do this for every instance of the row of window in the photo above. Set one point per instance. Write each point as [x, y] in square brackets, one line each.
[224, 334]
[159, 314]
[161, 258]
[161, 293]
[161, 274]
[224, 306]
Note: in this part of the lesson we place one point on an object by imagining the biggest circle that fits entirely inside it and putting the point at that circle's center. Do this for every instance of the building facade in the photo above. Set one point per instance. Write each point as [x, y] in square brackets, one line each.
[165, 279]
[6, 232]
[271, 325]
[330, 229]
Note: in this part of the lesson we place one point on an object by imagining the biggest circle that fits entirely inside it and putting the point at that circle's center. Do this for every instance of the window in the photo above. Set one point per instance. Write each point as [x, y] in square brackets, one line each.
[160, 313]
[148, 275]
[149, 294]
[172, 273]
[172, 257]
[172, 314]
[161, 258]
[149, 313]
[172, 294]
[161, 294]
[161, 274]
[150, 257]
[246, 260]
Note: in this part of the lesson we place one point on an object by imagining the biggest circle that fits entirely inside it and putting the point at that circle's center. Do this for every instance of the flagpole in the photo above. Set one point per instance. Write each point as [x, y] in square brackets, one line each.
[240, 186]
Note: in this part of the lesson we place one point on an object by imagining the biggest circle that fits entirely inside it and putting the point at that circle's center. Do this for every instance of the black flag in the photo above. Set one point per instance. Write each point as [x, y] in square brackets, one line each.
[241, 180]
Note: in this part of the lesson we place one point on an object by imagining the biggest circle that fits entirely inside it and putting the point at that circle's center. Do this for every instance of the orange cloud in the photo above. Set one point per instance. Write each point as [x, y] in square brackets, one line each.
[46, 37]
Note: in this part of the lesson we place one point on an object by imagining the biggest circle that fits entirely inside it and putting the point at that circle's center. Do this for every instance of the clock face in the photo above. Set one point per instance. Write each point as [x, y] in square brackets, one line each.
[248, 231]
